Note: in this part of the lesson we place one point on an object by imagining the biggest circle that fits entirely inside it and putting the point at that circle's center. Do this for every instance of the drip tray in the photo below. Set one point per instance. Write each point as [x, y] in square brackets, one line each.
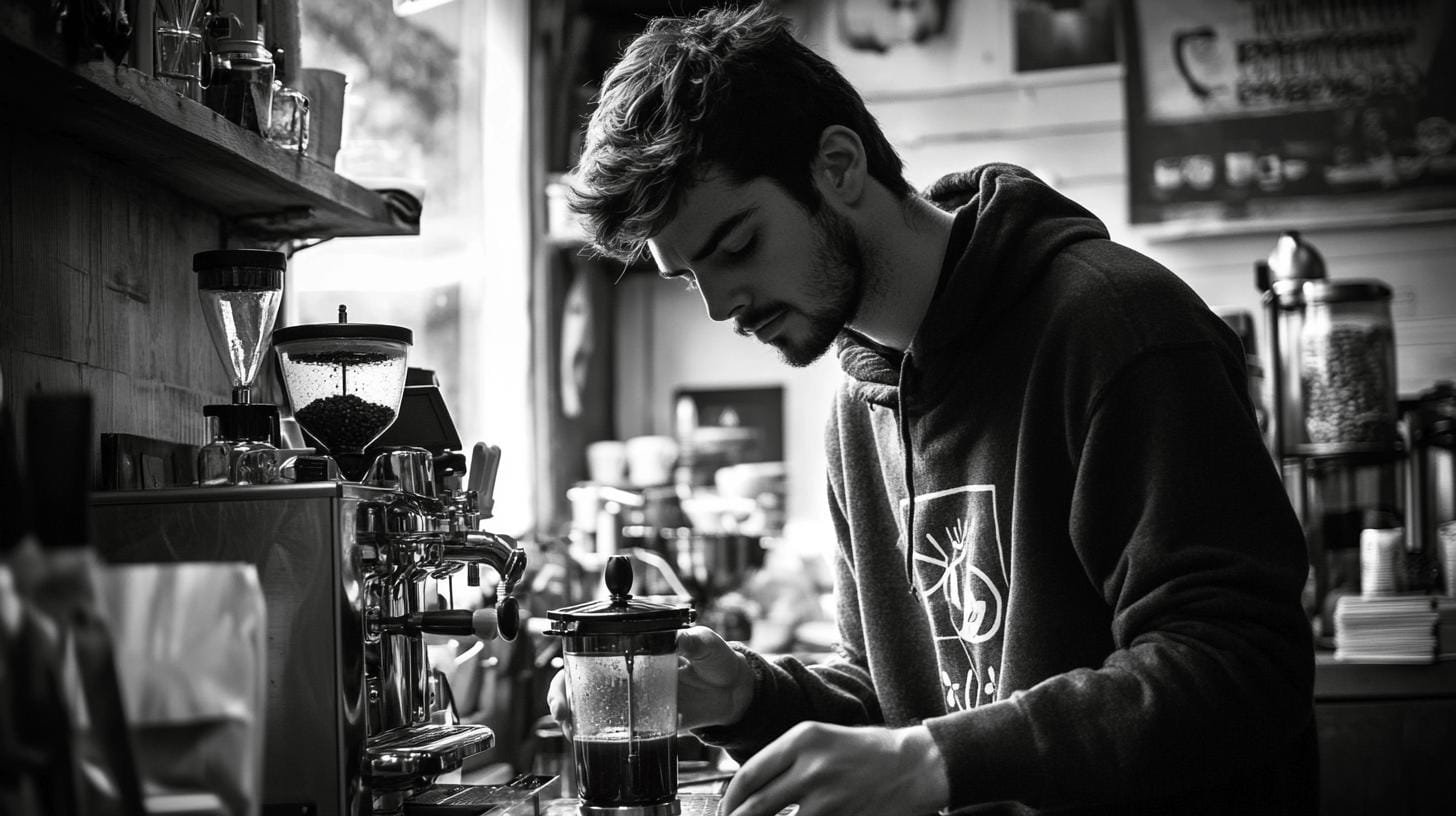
[425, 750]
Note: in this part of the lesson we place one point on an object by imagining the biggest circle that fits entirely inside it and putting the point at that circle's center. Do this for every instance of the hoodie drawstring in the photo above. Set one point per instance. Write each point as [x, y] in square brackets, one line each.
[909, 472]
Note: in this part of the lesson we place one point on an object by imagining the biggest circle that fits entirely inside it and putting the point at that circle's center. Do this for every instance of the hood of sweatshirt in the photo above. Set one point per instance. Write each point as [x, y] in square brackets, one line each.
[1009, 225]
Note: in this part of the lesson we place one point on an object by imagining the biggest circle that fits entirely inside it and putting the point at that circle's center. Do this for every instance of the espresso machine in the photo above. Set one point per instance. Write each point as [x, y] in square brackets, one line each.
[1334, 414]
[356, 722]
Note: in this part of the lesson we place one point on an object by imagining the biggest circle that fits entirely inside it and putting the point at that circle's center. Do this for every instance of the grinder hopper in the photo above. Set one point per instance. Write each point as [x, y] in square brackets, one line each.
[345, 381]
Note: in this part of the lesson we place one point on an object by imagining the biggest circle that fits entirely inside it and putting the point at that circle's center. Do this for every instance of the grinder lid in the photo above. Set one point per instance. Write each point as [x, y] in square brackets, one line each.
[621, 614]
[343, 331]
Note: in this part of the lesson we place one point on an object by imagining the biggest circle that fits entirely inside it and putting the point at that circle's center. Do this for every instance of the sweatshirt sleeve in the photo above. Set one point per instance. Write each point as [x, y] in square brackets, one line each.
[787, 691]
[1180, 520]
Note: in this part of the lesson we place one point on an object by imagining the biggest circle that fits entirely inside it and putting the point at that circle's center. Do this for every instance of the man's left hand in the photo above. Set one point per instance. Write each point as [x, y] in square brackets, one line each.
[841, 771]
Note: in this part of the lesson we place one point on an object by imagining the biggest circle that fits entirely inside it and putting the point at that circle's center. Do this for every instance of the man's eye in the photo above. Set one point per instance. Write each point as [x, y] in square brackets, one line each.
[742, 248]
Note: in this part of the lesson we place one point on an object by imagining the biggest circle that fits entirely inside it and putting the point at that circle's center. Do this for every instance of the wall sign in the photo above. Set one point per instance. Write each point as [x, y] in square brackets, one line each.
[1245, 114]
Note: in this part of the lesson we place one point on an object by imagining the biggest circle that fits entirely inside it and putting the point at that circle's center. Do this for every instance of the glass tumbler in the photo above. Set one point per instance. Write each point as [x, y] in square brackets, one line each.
[178, 60]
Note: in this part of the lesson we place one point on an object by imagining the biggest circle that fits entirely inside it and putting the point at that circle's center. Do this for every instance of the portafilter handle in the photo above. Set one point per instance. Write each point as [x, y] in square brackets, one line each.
[486, 624]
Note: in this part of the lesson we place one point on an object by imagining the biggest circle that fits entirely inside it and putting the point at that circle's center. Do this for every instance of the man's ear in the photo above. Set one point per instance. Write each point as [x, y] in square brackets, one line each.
[839, 166]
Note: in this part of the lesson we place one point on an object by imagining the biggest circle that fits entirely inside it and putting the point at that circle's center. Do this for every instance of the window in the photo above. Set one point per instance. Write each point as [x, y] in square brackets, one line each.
[436, 101]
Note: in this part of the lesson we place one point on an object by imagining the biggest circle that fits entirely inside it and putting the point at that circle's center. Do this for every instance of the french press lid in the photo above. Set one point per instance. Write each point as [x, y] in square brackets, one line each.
[621, 614]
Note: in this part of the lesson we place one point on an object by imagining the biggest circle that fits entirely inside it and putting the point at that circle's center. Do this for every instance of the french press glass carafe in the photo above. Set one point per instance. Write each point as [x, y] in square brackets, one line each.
[621, 678]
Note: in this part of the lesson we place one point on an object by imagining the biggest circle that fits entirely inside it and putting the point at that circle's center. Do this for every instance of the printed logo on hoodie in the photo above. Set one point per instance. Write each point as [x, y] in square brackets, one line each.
[961, 571]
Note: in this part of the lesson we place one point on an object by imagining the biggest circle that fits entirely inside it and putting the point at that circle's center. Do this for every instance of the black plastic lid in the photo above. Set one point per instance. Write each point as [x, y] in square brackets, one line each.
[621, 614]
[347, 331]
[1345, 291]
[223, 258]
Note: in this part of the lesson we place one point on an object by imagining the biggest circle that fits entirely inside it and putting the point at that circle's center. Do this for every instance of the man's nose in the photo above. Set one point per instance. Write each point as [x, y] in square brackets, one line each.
[722, 299]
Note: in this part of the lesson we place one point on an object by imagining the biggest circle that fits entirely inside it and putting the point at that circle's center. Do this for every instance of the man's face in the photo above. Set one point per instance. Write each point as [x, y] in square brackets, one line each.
[758, 258]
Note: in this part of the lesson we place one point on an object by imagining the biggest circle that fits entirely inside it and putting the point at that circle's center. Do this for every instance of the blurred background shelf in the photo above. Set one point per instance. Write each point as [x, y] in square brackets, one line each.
[124, 115]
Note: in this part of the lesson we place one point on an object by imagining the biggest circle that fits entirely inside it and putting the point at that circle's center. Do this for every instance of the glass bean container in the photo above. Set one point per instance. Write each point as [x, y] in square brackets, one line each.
[1347, 365]
[344, 380]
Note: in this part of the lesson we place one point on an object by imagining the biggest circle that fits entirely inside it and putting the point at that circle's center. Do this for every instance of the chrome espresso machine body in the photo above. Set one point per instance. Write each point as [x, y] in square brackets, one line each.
[350, 544]
[355, 720]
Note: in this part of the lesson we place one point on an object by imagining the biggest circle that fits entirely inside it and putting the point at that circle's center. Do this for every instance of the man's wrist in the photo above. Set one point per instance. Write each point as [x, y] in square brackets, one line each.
[743, 690]
[930, 780]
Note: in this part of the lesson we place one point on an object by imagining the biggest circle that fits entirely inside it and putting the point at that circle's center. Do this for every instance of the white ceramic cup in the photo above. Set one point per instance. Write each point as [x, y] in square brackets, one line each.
[606, 462]
[650, 460]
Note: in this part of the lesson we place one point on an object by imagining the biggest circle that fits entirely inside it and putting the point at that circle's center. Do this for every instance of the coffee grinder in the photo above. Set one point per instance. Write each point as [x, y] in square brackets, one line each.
[621, 673]
[240, 290]
[1334, 416]
[345, 382]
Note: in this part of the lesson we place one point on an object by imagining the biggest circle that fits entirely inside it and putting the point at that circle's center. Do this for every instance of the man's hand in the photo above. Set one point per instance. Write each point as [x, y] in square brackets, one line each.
[714, 683]
[843, 771]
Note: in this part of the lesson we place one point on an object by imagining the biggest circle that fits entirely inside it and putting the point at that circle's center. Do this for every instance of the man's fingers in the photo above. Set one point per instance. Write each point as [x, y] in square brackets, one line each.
[753, 788]
[559, 704]
[707, 654]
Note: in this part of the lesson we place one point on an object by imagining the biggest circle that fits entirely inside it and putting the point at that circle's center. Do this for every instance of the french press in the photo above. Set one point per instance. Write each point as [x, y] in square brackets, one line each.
[621, 678]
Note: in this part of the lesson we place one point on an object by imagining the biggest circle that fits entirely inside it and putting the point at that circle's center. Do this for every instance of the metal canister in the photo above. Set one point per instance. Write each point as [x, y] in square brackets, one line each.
[1431, 507]
[1281, 278]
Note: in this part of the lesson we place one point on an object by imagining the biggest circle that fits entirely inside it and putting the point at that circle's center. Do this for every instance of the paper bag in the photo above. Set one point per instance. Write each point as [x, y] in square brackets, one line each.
[191, 656]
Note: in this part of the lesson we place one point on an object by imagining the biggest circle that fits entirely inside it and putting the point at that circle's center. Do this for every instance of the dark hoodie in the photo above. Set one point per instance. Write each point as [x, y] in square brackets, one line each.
[1106, 613]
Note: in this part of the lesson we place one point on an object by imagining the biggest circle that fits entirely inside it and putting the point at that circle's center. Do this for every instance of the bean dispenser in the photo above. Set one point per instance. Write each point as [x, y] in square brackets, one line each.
[240, 290]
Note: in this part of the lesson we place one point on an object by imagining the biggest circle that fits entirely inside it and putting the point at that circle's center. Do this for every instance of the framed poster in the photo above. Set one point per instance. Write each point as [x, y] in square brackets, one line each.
[1258, 114]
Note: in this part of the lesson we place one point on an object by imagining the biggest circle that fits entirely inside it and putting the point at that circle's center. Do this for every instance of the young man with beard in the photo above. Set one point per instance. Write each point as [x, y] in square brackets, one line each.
[1067, 576]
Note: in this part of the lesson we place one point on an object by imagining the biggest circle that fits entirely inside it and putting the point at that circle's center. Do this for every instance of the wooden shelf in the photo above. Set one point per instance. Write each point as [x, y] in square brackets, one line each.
[258, 188]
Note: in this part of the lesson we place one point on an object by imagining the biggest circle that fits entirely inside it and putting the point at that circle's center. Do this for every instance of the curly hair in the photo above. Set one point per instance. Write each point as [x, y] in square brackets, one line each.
[726, 90]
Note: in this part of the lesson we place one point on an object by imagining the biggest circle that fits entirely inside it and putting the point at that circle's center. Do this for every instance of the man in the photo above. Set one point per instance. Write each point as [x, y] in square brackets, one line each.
[1098, 605]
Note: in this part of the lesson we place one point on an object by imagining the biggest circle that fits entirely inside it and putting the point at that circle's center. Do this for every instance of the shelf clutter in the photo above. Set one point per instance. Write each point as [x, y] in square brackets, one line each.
[113, 110]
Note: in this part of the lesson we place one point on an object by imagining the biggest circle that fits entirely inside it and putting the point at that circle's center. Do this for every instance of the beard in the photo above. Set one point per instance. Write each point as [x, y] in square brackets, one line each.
[838, 276]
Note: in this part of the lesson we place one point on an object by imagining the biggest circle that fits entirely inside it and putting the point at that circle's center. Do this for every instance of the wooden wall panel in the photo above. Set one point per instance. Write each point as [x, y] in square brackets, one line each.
[97, 291]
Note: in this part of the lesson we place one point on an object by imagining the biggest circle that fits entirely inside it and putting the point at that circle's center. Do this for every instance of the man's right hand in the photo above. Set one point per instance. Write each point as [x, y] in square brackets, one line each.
[715, 683]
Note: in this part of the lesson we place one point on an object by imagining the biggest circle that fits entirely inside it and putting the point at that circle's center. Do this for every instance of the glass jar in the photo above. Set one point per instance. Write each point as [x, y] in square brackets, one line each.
[288, 127]
[1347, 365]
[240, 85]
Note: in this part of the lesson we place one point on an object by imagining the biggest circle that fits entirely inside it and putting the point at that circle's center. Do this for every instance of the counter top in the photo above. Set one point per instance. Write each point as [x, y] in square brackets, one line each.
[1336, 681]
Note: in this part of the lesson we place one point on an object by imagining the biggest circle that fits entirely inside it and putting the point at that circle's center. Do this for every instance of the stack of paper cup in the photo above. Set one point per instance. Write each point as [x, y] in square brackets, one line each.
[1446, 532]
[1380, 553]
